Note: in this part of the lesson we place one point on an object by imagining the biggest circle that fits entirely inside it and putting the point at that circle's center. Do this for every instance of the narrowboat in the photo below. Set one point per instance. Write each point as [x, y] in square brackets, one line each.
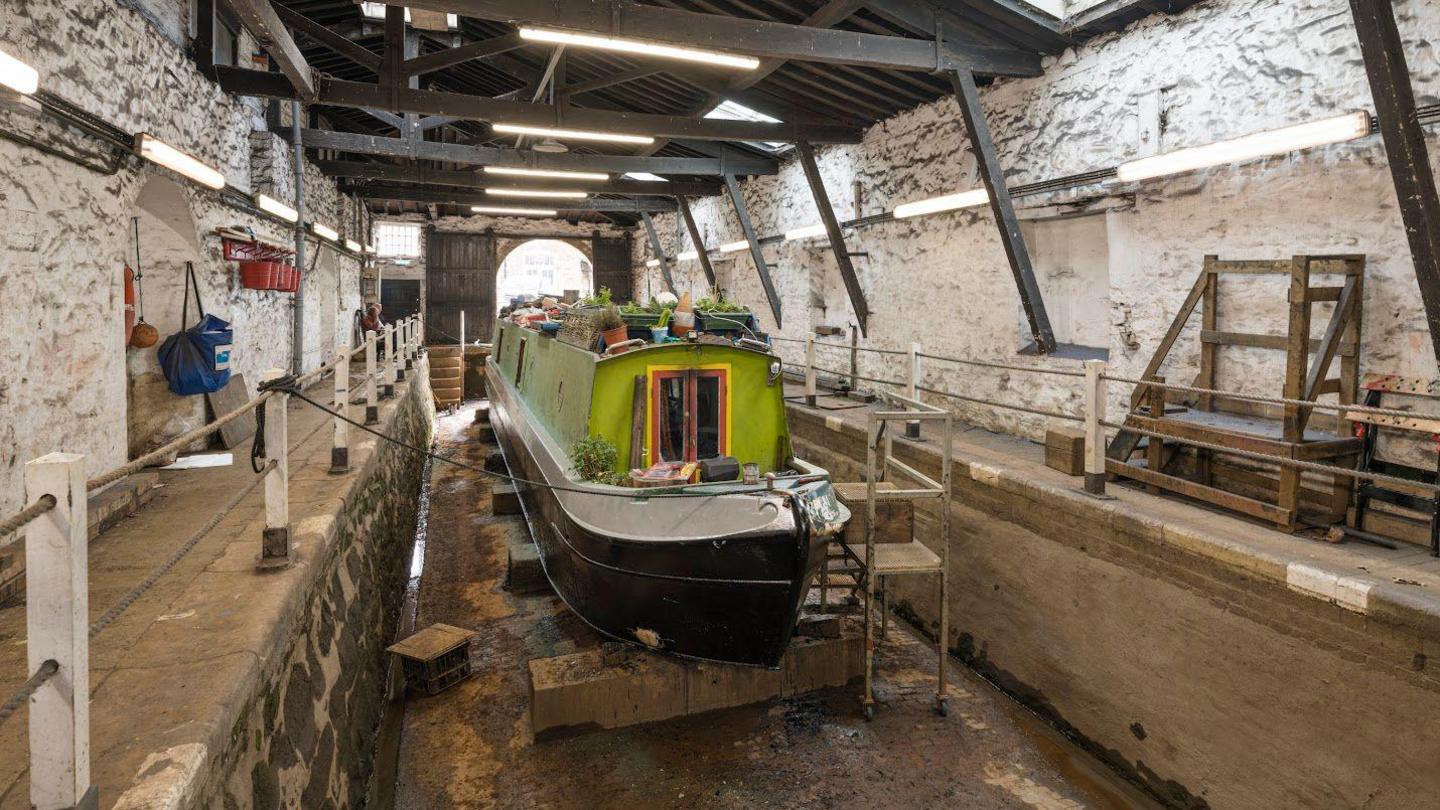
[709, 567]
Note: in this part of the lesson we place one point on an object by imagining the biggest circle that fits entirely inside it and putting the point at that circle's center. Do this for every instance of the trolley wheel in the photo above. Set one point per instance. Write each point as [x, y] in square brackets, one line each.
[869, 711]
[942, 706]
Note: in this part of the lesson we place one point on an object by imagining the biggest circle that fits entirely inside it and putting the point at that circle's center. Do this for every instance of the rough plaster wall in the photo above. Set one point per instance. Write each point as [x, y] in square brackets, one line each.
[943, 280]
[63, 385]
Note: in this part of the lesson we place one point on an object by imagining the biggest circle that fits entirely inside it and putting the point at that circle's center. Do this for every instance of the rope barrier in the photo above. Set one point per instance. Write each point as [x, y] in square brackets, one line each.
[1023, 408]
[847, 374]
[18, 520]
[1059, 372]
[1302, 403]
[1325, 469]
[46, 671]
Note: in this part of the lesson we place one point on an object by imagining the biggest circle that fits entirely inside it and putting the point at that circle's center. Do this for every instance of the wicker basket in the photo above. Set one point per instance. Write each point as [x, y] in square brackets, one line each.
[578, 328]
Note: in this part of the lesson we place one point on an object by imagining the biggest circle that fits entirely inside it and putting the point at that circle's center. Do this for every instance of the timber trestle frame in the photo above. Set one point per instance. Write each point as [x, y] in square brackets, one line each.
[1422, 498]
[1280, 431]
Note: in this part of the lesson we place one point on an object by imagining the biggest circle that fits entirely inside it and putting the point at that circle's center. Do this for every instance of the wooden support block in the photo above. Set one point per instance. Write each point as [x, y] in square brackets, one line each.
[485, 433]
[526, 574]
[1065, 450]
[818, 627]
[505, 500]
[894, 520]
[495, 463]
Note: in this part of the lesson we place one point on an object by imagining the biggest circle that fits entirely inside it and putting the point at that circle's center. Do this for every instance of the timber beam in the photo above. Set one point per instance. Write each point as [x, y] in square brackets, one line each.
[1031, 300]
[468, 179]
[694, 230]
[659, 251]
[260, 19]
[380, 191]
[359, 144]
[397, 98]
[837, 239]
[450, 57]
[770, 40]
[1389, 74]
[341, 45]
[743, 214]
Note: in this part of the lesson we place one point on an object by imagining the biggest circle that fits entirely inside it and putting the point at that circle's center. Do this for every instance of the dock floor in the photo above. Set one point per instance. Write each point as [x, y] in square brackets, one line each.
[471, 746]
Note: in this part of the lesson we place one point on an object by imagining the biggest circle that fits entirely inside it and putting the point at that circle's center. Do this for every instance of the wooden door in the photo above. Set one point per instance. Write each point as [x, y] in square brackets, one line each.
[612, 265]
[460, 277]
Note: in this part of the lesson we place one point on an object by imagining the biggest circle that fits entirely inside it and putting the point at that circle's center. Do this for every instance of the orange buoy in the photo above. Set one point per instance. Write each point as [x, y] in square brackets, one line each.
[129, 303]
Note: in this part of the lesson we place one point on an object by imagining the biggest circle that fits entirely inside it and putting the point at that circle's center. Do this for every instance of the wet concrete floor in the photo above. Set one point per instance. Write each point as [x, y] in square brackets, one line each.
[471, 746]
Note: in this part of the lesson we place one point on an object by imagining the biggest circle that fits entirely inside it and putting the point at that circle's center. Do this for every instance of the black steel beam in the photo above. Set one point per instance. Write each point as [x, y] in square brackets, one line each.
[1389, 74]
[762, 38]
[358, 144]
[694, 230]
[743, 214]
[1001, 205]
[450, 57]
[356, 170]
[398, 98]
[837, 239]
[571, 90]
[379, 191]
[270, 34]
[344, 46]
[202, 47]
[659, 251]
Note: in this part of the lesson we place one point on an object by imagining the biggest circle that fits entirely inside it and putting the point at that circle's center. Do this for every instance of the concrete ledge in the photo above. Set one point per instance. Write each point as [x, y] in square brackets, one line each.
[573, 694]
[505, 500]
[526, 574]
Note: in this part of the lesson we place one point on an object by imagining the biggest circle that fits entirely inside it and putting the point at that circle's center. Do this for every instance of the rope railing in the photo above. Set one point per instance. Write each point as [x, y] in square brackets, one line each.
[1261, 399]
[17, 521]
[46, 671]
[1059, 372]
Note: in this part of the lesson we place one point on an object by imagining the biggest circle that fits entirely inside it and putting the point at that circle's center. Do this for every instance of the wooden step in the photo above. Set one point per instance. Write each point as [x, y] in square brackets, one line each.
[905, 558]
[444, 373]
[445, 362]
[449, 352]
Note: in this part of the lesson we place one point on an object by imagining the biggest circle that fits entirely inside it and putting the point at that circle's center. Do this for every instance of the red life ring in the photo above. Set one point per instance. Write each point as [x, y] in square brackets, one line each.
[129, 303]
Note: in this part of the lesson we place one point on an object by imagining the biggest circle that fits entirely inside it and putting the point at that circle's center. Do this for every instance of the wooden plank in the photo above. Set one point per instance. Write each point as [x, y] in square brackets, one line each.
[227, 399]
[637, 424]
[260, 19]
[1168, 342]
[1234, 440]
[1317, 295]
[1330, 343]
[1251, 267]
[1209, 320]
[1258, 341]
[345, 47]
[450, 57]
[1422, 424]
[1397, 384]
[1219, 497]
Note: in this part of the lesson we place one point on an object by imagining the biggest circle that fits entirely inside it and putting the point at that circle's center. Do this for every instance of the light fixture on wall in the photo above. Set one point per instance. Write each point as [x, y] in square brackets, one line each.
[563, 175]
[732, 247]
[325, 231]
[271, 205]
[808, 232]
[17, 75]
[687, 256]
[949, 202]
[501, 209]
[639, 47]
[159, 152]
[537, 192]
[572, 134]
[1323, 132]
[353, 246]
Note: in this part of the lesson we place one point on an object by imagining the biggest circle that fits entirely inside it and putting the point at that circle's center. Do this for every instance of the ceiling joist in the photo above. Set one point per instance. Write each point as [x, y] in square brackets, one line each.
[260, 19]
[468, 179]
[377, 191]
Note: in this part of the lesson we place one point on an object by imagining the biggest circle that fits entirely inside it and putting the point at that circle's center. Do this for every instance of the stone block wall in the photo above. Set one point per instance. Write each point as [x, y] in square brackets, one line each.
[66, 380]
[1220, 69]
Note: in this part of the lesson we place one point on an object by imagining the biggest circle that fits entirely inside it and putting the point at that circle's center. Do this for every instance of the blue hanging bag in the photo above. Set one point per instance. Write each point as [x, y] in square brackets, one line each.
[197, 360]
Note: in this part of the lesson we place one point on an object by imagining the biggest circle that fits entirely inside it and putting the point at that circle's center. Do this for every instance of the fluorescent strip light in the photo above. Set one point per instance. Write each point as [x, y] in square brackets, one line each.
[639, 47]
[325, 231]
[535, 192]
[274, 206]
[809, 232]
[572, 134]
[352, 246]
[653, 263]
[687, 256]
[597, 176]
[949, 202]
[157, 151]
[1326, 131]
[17, 75]
[731, 247]
[499, 209]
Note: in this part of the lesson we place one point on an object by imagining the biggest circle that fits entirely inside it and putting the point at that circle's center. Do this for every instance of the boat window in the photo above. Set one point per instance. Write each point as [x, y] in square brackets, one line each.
[670, 402]
[709, 396]
[687, 415]
[520, 362]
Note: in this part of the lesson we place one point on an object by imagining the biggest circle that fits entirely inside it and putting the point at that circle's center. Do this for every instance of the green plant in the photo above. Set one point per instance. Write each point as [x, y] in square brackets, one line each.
[608, 318]
[601, 298]
[719, 304]
[664, 319]
[632, 308]
[595, 460]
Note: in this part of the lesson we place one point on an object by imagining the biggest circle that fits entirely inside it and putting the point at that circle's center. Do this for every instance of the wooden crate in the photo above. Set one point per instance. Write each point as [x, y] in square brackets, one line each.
[1065, 450]
[894, 520]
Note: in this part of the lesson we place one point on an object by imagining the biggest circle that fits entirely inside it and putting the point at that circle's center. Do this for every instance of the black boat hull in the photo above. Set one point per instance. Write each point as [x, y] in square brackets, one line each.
[733, 598]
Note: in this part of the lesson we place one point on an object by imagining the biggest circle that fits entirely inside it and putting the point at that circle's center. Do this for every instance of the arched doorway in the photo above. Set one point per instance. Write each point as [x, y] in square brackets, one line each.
[543, 267]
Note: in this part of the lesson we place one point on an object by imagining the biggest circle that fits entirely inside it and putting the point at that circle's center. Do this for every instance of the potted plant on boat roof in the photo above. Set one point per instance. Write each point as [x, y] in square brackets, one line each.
[611, 326]
[718, 314]
[641, 318]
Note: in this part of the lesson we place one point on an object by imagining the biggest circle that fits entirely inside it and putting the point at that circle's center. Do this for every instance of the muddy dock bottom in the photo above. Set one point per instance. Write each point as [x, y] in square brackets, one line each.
[474, 746]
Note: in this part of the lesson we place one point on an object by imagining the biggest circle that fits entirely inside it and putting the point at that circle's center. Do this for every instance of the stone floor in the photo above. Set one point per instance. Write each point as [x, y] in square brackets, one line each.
[471, 746]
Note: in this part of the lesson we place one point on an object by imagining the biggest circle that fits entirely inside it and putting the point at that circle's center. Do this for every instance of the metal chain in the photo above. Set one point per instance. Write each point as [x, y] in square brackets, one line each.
[1282, 461]
[17, 521]
[46, 671]
[1303, 403]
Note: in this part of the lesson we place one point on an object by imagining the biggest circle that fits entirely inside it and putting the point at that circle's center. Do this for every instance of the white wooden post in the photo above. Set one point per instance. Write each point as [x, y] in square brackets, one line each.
[409, 342]
[340, 446]
[912, 379]
[372, 387]
[461, 381]
[810, 370]
[397, 348]
[57, 617]
[388, 385]
[1094, 431]
[275, 540]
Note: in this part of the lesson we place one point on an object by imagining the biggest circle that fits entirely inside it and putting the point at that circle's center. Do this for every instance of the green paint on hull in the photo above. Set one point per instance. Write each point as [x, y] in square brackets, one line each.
[576, 393]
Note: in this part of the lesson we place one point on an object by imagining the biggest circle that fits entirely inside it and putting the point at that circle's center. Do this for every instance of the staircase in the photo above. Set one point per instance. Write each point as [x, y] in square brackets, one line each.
[446, 375]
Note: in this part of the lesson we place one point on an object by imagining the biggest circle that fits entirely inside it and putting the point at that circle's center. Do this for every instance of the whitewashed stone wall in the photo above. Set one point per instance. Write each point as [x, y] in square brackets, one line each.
[66, 381]
[1224, 68]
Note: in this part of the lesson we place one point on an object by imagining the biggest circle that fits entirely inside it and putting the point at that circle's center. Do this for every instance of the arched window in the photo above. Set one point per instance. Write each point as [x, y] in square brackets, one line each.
[542, 267]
